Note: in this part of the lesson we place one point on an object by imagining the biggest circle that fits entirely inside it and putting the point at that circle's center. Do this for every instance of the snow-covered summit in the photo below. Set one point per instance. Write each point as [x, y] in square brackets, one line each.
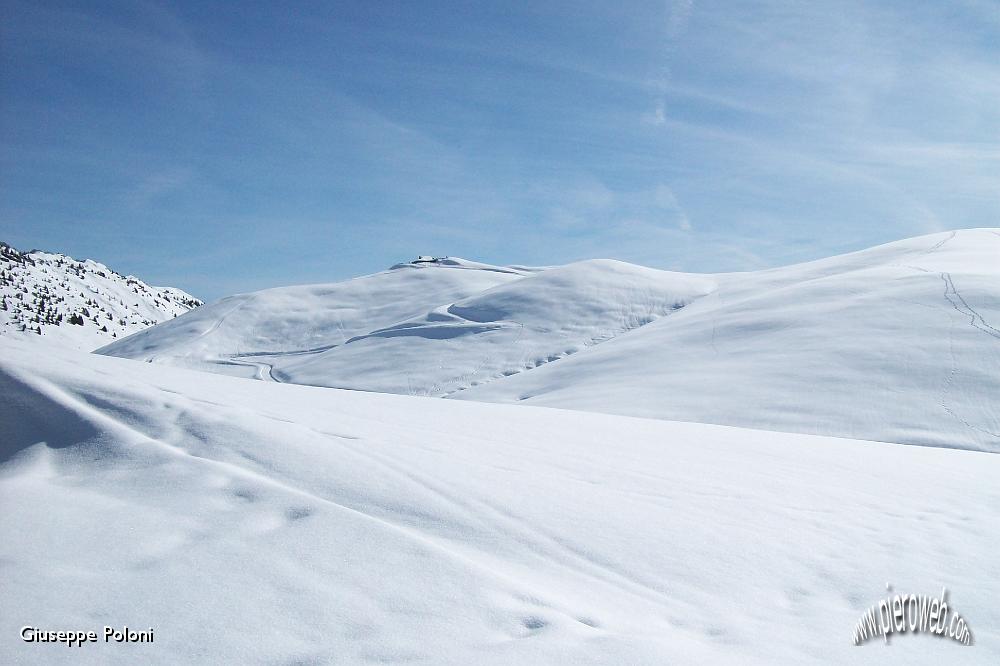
[427, 261]
[82, 304]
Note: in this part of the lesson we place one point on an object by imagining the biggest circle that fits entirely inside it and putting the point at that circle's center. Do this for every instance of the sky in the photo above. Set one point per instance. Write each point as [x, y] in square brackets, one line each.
[229, 147]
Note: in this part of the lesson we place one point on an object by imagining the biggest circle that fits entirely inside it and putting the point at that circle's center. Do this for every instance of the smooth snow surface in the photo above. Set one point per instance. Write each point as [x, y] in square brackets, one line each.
[899, 343]
[252, 522]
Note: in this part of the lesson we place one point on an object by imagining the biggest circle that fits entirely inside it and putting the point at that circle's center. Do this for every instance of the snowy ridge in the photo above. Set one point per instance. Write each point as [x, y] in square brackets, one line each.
[252, 522]
[81, 304]
[897, 343]
[418, 328]
[290, 322]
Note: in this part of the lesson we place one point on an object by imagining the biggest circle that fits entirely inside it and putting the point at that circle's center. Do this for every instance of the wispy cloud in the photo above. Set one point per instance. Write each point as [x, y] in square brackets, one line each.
[677, 15]
[886, 114]
[687, 134]
[151, 186]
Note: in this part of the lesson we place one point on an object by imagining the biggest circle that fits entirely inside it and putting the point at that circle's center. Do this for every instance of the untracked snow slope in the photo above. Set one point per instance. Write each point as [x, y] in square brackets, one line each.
[252, 522]
[897, 343]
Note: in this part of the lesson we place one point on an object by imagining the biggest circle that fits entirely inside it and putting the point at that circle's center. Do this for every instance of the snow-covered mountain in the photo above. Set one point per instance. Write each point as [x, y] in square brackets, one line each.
[265, 522]
[897, 343]
[259, 523]
[82, 304]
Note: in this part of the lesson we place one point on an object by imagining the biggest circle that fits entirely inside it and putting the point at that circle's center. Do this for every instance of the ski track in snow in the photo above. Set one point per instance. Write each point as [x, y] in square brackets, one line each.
[539, 362]
[951, 291]
[975, 319]
[263, 370]
[941, 243]
[953, 374]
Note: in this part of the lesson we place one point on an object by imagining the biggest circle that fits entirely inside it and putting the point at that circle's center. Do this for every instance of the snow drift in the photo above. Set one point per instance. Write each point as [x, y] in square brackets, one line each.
[251, 522]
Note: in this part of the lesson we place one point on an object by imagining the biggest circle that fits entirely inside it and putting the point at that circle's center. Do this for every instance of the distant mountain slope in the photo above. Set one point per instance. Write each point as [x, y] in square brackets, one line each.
[428, 328]
[896, 343]
[82, 304]
[288, 322]
[513, 327]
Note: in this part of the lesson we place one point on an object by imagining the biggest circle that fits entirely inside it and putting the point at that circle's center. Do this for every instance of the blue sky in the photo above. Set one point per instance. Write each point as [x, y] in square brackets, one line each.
[226, 147]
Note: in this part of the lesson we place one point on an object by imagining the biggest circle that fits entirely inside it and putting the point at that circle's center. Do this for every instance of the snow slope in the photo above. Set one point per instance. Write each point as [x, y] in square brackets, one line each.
[247, 334]
[80, 304]
[897, 343]
[429, 329]
[253, 522]
[504, 330]
[900, 343]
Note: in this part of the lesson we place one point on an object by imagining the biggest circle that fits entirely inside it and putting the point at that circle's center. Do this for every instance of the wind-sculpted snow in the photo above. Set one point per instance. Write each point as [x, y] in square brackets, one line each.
[897, 343]
[252, 522]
